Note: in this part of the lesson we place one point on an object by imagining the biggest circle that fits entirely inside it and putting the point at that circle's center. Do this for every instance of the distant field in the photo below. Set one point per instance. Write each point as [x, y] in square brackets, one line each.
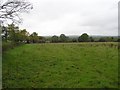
[70, 65]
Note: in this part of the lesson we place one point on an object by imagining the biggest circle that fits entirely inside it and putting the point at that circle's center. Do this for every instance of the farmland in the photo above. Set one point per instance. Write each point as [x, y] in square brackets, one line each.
[61, 65]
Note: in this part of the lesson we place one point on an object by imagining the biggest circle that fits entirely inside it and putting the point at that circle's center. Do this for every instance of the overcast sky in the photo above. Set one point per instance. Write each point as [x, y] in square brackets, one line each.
[72, 17]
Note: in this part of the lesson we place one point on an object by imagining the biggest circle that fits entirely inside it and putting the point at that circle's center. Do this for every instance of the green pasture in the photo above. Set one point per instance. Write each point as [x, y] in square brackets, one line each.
[61, 65]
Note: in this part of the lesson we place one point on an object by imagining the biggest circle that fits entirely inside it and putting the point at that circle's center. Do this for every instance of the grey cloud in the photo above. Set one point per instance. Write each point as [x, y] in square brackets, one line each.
[49, 17]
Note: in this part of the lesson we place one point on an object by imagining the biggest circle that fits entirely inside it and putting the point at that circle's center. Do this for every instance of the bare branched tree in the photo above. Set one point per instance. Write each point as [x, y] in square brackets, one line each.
[11, 9]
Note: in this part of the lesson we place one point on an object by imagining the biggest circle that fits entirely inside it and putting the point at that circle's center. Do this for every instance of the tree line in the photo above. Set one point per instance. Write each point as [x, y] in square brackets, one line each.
[83, 38]
[12, 33]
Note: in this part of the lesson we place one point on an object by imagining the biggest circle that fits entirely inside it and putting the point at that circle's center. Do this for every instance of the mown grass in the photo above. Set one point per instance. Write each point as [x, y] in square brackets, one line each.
[70, 65]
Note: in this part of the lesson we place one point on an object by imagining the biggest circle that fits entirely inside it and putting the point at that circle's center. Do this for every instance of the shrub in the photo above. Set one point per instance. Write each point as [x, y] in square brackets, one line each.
[10, 45]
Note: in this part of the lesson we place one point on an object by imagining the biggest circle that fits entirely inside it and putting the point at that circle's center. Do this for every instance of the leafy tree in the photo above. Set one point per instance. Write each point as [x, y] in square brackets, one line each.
[34, 37]
[84, 38]
[24, 35]
[13, 32]
[41, 39]
[63, 38]
[16, 35]
[74, 40]
[109, 39]
[91, 39]
[55, 39]
[102, 39]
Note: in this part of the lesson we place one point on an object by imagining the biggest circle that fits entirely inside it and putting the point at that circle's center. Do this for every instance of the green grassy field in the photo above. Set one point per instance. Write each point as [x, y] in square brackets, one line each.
[70, 65]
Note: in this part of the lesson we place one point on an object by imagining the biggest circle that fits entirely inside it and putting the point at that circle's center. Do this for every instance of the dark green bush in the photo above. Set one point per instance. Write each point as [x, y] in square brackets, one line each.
[10, 45]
